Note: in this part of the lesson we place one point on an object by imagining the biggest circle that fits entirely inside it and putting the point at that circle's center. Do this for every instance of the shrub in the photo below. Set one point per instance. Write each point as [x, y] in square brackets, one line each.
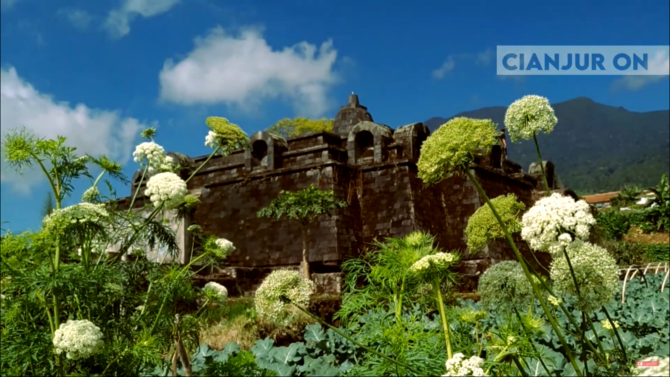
[614, 223]
[657, 252]
[627, 253]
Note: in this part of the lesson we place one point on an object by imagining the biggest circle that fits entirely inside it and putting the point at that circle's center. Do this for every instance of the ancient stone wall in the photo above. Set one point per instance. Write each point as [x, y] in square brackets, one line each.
[372, 168]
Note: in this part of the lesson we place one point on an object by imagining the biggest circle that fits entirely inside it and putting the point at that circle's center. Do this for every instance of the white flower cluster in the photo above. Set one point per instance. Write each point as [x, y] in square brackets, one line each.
[549, 225]
[529, 116]
[91, 195]
[152, 155]
[434, 261]
[212, 140]
[78, 213]
[504, 286]
[78, 339]
[166, 188]
[224, 246]
[217, 290]
[456, 366]
[596, 273]
[268, 299]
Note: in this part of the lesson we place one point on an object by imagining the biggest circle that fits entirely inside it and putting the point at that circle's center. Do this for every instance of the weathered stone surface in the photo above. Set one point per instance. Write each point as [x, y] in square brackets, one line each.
[350, 115]
[385, 199]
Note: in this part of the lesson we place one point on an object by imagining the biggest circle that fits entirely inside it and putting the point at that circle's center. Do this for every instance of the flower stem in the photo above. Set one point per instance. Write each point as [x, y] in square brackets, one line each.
[539, 159]
[203, 164]
[137, 190]
[569, 316]
[539, 356]
[443, 316]
[518, 365]
[536, 290]
[160, 311]
[616, 332]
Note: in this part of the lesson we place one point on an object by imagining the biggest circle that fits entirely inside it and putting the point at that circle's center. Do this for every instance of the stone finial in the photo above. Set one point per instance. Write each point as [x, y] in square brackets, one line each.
[350, 115]
[353, 101]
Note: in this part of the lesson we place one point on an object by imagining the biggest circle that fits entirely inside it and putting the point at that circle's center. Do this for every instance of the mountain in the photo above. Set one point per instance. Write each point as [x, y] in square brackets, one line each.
[595, 147]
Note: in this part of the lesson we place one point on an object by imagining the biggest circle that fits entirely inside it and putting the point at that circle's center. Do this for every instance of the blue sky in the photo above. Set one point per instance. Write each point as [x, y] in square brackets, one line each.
[99, 71]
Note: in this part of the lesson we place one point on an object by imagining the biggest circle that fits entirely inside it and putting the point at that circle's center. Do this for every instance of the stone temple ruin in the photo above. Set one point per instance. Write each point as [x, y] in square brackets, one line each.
[370, 166]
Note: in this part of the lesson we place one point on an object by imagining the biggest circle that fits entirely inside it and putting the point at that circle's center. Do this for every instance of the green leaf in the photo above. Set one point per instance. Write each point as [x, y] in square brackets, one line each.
[314, 333]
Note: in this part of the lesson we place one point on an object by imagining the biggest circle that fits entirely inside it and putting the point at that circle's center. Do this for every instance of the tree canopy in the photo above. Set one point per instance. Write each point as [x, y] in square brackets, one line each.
[300, 126]
[304, 205]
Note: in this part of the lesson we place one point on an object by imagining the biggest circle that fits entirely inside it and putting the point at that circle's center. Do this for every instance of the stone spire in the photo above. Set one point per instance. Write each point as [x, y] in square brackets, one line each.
[350, 115]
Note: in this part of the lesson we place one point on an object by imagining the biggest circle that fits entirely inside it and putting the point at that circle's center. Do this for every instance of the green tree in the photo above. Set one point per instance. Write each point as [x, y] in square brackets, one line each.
[48, 205]
[300, 126]
[304, 206]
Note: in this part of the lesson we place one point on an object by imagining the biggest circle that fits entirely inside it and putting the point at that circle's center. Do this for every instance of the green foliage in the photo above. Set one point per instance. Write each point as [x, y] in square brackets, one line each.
[614, 223]
[627, 253]
[454, 146]
[230, 137]
[148, 133]
[48, 205]
[207, 362]
[483, 227]
[628, 195]
[304, 205]
[48, 279]
[106, 296]
[188, 205]
[59, 162]
[659, 208]
[642, 321]
[287, 128]
[385, 271]
[322, 354]
[657, 252]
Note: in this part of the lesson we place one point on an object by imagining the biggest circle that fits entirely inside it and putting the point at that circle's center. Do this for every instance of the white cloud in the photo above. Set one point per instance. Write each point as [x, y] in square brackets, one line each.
[243, 70]
[92, 131]
[659, 65]
[80, 19]
[118, 20]
[483, 58]
[446, 67]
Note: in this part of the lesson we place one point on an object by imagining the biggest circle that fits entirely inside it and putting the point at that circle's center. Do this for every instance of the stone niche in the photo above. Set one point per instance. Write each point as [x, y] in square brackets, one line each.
[367, 141]
[411, 137]
[265, 152]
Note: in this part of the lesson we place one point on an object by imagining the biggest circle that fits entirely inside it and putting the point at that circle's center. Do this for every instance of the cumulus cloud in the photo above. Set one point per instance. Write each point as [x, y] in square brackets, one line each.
[118, 20]
[243, 70]
[80, 19]
[659, 65]
[91, 131]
